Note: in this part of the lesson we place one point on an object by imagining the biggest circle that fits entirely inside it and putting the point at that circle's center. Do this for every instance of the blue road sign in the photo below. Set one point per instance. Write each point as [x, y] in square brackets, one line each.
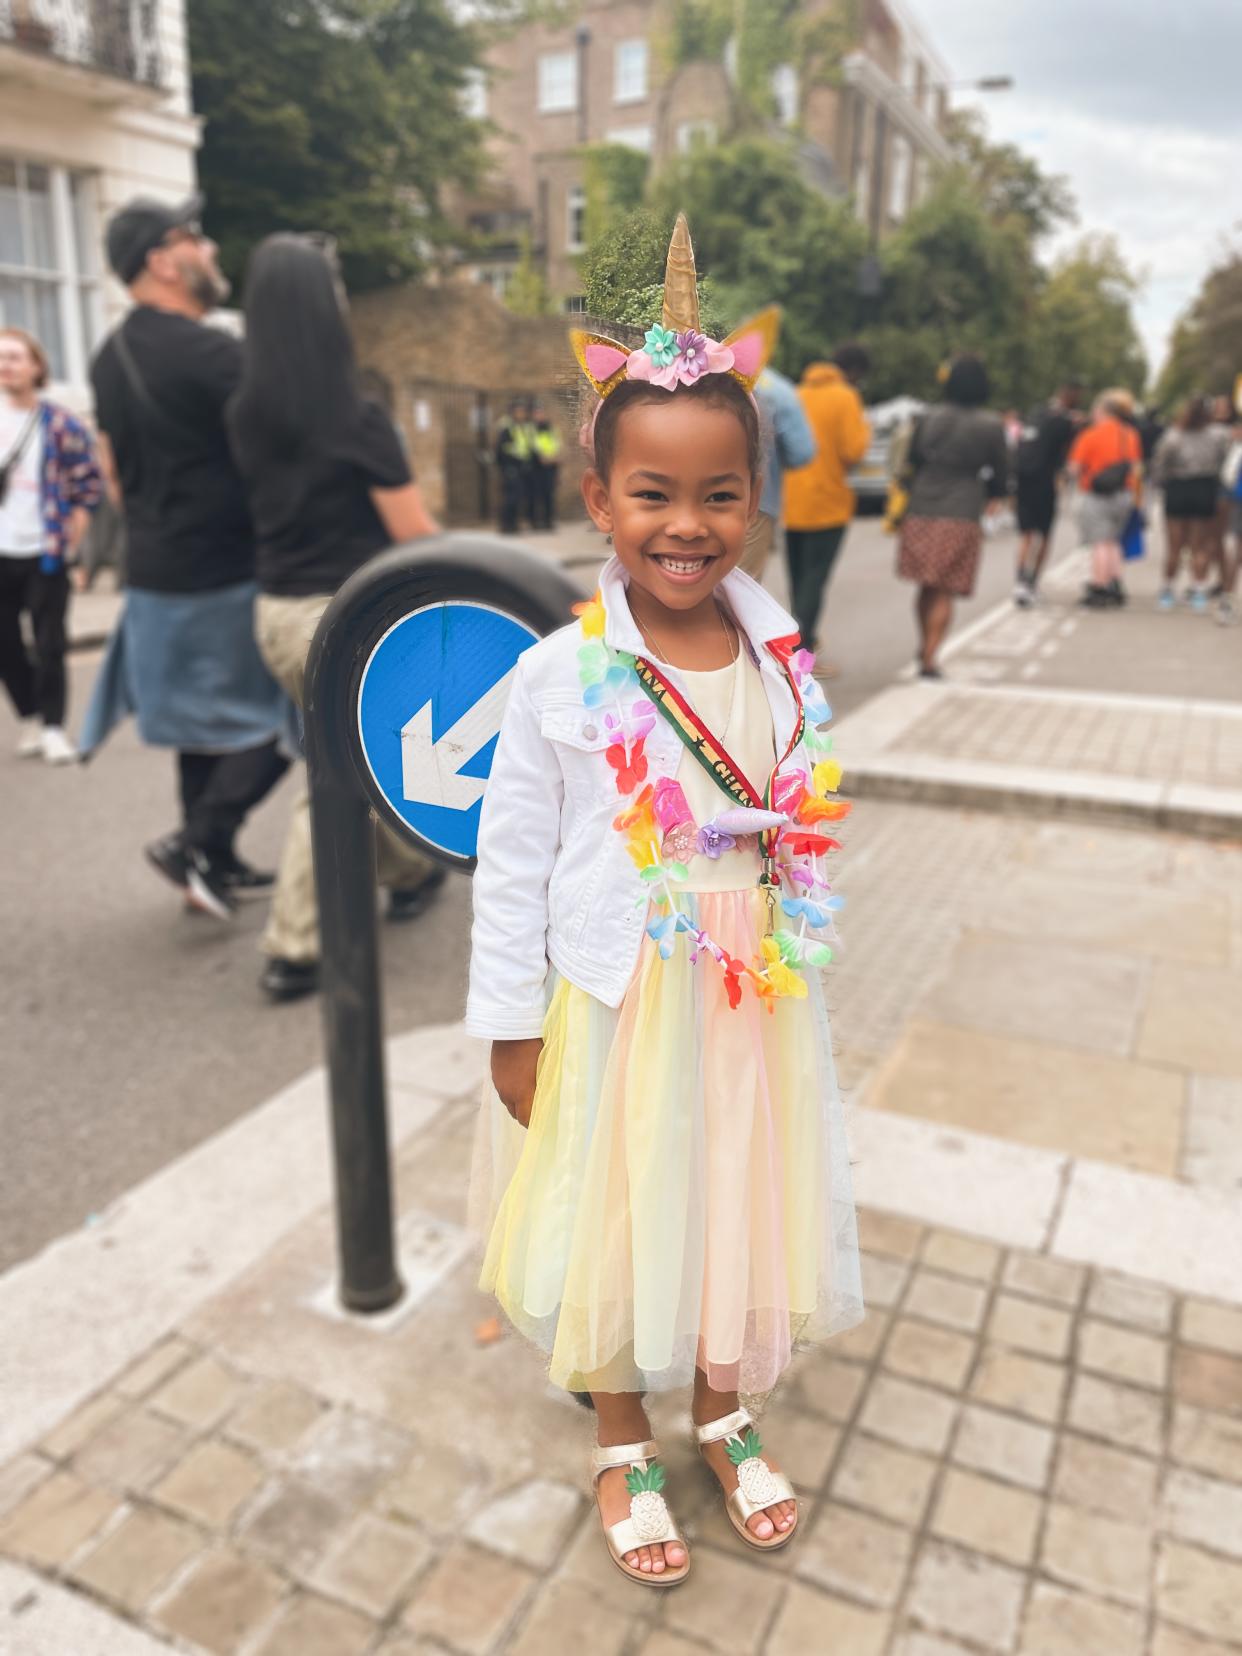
[432, 696]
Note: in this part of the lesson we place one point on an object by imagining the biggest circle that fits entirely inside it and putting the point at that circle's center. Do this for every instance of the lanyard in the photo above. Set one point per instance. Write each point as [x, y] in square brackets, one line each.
[715, 759]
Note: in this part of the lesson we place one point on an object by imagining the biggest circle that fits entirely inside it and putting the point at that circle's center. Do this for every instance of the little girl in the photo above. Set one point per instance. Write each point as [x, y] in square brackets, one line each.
[665, 1180]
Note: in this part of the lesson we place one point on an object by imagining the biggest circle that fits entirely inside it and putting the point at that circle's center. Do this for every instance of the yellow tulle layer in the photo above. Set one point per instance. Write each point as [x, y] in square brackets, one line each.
[682, 1196]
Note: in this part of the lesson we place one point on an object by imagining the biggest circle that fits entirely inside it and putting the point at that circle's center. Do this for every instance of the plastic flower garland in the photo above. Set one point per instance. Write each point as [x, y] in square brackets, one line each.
[662, 835]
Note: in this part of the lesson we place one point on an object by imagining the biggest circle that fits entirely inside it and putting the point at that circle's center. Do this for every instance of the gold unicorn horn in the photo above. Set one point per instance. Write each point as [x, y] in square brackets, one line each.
[681, 283]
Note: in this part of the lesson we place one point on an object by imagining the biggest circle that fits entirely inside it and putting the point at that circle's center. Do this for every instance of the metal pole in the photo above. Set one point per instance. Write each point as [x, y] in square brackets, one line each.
[343, 845]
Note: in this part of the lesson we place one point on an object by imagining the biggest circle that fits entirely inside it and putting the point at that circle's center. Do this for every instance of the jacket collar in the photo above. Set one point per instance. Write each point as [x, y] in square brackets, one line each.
[760, 617]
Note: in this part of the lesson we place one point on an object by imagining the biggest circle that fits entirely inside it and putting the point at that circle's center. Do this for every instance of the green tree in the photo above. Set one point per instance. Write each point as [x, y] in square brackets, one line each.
[333, 115]
[528, 293]
[1085, 320]
[1009, 184]
[1206, 351]
[615, 179]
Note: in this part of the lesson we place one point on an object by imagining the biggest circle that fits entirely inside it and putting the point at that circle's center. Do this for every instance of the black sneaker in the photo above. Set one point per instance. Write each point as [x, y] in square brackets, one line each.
[206, 888]
[168, 857]
[409, 905]
[240, 878]
[1115, 593]
[286, 980]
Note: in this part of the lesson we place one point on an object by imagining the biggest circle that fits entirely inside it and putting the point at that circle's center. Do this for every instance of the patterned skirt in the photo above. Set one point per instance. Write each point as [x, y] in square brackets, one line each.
[941, 553]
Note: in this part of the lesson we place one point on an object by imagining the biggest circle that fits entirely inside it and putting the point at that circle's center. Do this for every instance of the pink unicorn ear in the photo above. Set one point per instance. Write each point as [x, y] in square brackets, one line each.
[602, 360]
[753, 344]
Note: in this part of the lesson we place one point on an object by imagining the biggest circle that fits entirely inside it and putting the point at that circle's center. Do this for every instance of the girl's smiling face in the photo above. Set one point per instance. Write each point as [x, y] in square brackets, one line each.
[678, 497]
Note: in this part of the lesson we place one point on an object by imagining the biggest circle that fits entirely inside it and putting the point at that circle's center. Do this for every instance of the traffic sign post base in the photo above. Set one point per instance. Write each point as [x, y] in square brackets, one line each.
[405, 687]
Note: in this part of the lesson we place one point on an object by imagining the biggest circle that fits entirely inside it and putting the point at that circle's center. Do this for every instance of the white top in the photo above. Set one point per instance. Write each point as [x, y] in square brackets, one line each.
[732, 703]
[21, 514]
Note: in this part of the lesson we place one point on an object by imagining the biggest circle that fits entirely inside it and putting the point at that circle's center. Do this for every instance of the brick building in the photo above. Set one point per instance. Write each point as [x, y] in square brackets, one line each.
[876, 137]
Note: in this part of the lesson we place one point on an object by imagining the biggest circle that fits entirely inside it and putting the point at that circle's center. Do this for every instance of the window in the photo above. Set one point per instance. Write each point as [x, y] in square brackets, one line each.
[558, 82]
[575, 215]
[693, 135]
[49, 261]
[785, 93]
[474, 95]
[496, 277]
[576, 305]
[635, 137]
[899, 160]
[630, 71]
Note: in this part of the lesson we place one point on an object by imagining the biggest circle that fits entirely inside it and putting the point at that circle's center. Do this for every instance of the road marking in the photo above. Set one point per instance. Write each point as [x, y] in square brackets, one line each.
[968, 634]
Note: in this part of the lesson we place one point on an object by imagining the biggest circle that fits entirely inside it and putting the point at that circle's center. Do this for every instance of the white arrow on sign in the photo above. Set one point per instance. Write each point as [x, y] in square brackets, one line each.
[429, 768]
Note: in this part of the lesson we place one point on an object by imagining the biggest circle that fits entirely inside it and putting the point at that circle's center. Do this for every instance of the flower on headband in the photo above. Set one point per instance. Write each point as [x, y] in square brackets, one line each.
[692, 358]
[660, 345]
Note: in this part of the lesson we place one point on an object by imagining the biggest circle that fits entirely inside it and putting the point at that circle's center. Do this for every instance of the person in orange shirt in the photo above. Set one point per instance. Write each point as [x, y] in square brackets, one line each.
[819, 502]
[1106, 462]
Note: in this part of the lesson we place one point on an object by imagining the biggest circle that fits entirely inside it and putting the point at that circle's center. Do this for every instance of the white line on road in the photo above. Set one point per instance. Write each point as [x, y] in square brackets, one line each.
[989, 618]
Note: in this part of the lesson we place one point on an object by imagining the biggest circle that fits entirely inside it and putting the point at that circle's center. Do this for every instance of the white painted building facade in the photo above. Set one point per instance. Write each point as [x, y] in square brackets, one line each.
[94, 108]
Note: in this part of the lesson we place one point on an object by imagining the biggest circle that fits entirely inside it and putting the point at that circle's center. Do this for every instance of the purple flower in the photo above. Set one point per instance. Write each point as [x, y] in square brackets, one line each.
[691, 356]
[714, 841]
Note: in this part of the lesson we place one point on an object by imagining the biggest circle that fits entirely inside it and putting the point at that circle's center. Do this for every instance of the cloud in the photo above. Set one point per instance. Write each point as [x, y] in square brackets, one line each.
[1137, 104]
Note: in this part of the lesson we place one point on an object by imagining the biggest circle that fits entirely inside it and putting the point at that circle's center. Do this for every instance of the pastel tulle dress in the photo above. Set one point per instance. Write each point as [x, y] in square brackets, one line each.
[682, 1196]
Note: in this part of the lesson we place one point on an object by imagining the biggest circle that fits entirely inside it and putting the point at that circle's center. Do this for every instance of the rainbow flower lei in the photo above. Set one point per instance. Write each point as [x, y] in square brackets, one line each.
[662, 834]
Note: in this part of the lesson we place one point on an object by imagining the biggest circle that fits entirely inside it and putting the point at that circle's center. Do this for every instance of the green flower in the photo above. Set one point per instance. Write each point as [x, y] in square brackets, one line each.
[660, 345]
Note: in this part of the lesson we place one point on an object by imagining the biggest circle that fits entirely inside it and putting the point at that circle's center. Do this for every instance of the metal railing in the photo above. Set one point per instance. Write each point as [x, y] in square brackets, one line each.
[118, 37]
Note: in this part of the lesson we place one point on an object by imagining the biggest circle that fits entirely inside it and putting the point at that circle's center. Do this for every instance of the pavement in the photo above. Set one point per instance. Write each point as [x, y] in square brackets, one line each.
[1031, 1445]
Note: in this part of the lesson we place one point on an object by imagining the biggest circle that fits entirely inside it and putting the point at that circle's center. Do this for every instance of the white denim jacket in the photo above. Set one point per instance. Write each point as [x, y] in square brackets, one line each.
[555, 881]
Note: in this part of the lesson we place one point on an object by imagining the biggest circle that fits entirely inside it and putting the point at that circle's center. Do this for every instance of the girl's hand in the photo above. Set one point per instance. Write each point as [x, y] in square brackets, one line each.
[514, 1064]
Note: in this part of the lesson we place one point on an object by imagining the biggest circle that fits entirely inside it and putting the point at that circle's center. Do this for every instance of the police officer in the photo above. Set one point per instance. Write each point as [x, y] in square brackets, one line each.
[547, 471]
[515, 458]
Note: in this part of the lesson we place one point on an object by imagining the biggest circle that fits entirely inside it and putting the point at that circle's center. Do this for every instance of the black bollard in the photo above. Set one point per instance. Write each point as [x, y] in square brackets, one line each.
[464, 574]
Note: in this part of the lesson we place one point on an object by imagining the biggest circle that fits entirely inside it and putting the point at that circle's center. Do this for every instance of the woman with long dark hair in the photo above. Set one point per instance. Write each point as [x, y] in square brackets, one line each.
[1187, 465]
[960, 462]
[329, 486]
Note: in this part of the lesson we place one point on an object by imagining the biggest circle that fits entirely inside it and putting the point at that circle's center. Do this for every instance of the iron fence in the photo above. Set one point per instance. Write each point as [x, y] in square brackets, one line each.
[119, 37]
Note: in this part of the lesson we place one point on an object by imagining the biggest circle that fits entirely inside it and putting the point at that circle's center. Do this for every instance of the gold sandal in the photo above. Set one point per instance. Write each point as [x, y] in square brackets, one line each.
[649, 1523]
[758, 1486]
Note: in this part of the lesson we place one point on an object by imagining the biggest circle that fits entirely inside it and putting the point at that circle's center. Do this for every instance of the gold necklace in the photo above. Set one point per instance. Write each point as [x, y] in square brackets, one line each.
[734, 649]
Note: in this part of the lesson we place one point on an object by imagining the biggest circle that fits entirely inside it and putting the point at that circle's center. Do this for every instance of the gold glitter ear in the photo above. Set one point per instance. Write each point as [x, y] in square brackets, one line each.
[753, 345]
[602, 360]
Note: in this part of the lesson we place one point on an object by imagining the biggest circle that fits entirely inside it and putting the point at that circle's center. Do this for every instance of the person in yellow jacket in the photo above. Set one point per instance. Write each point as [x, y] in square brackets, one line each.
[547, 456]
[819, 502]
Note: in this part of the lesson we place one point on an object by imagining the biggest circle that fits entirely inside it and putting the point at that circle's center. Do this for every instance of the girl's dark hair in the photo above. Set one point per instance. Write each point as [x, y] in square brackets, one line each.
[967, 384]
[712, 390]
[299, 386]
[1197, 414]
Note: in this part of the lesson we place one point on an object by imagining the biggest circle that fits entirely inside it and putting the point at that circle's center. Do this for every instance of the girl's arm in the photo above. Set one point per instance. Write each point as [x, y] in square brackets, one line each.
[519, 834]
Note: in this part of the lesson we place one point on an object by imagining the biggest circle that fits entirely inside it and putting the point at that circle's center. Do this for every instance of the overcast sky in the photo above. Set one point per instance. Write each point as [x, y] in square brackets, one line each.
[1138, 102]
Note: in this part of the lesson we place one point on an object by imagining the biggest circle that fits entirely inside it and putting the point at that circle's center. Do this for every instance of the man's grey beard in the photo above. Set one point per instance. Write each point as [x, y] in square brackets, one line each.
[207, 288]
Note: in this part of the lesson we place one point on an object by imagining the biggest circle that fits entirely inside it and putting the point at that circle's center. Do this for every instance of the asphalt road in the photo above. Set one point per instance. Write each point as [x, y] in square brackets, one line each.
[130, 1030]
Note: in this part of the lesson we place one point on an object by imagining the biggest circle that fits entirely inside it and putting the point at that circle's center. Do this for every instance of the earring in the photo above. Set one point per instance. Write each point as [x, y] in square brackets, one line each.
[608, 539]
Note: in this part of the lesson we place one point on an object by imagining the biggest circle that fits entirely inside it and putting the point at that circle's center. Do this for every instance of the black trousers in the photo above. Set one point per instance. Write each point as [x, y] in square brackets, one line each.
[514, 496]
[543, 510]
[219, 790]
[811, 554]
[38, 685]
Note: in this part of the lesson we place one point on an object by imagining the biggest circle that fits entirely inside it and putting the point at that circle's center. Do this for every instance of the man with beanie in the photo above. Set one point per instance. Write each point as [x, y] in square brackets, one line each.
[183, 658]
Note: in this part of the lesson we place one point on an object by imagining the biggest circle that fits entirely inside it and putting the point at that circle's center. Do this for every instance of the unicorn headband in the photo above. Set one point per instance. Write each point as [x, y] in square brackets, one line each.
[675, 351]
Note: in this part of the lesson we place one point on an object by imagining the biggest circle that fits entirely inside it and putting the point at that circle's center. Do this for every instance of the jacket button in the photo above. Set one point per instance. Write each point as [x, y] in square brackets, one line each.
[590, 732]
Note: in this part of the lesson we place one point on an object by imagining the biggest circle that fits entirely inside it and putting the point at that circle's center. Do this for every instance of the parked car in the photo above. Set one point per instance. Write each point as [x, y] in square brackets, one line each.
[870, 477]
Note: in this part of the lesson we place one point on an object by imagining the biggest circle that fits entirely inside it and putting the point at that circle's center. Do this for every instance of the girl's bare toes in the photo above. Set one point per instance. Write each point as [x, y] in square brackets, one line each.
[632, 1560]
[674, 1554]
[644, 1558]
[657, 1560]
[761, 1524]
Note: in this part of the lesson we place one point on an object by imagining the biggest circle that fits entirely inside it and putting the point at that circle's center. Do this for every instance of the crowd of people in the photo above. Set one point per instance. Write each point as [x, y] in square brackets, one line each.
[253, 479]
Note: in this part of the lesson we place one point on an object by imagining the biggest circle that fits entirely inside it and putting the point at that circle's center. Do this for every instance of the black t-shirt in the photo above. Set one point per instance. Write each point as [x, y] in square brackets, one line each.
[314, 519]
[1047, 438]
[186, 518]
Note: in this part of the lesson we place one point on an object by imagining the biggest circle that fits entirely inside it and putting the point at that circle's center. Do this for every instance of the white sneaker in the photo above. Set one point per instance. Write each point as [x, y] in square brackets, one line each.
[1024, 595]
[56, 746]
[30, 741]
[1225, 612]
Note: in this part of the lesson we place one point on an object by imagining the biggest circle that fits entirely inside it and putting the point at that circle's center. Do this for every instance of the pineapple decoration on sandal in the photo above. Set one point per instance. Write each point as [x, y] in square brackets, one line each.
[786, 815]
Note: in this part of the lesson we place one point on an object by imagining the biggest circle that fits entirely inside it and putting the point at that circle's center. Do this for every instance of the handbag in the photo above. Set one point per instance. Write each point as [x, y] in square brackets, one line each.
[1133, 544]
[1111, 480]
[12, 459]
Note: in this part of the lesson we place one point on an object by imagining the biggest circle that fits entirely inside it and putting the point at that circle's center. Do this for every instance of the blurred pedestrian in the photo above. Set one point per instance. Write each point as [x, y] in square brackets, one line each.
[1231, 481]
[1105, 462]
[819, 502]
[958, 463]
[515, 460]
[1187, 466]
[183, 656]
[788, 443]
[49, 486]
[1038, 462]
[329, 486]
[545, 470]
